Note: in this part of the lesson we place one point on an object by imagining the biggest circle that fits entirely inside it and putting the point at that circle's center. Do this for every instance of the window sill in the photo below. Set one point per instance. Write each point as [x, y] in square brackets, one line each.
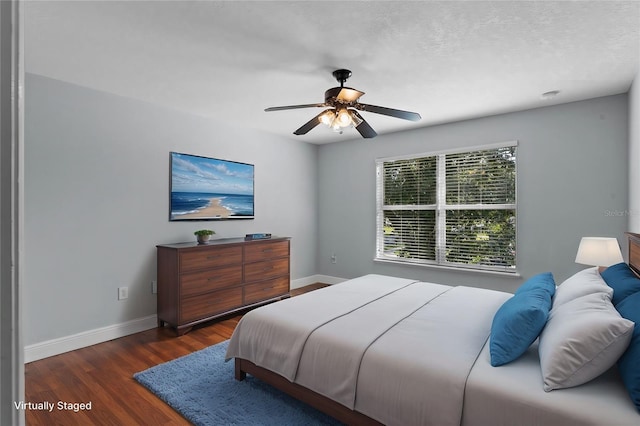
[449, 268]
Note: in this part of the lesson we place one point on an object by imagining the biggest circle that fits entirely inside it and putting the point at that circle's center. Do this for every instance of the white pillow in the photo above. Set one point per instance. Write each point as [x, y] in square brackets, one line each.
[581, 283]
[582, 339]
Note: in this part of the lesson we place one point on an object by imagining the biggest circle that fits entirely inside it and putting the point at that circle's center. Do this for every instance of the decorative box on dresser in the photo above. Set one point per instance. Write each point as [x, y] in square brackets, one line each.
[200, 282]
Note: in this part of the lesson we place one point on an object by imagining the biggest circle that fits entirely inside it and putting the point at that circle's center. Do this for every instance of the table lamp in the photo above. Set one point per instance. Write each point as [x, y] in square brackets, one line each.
[599, 251]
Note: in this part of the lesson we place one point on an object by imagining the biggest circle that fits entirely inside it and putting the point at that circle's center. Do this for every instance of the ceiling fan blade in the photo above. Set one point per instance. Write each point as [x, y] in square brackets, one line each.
[363, 128]
[281, 108]
[405, 115]
[310, 124]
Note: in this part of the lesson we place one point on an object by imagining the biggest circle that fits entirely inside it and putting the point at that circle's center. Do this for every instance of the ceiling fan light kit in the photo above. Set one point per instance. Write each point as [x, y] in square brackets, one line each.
[343, 111]
[339, 119]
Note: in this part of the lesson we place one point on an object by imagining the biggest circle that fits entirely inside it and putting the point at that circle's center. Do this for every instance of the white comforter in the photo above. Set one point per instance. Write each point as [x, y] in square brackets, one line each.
[410, 353]
[340, 342]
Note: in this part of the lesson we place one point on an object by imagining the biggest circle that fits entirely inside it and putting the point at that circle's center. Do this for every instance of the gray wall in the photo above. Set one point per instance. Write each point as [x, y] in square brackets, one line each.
[96, 201]
[572, 182]
[634, 156]
[97, 196]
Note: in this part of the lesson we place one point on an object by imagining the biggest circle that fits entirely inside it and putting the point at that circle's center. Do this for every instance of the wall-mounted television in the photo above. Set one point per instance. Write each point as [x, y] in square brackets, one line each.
[204, 188]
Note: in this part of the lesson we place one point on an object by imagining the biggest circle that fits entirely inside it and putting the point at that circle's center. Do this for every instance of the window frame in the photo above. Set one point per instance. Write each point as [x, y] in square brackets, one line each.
[440, 208]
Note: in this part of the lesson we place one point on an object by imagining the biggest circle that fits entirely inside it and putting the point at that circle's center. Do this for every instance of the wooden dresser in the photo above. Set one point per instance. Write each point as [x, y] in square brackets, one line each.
[200, 282]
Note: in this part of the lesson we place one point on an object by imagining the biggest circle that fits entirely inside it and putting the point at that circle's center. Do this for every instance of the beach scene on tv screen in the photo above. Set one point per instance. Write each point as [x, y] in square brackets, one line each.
[209, 188]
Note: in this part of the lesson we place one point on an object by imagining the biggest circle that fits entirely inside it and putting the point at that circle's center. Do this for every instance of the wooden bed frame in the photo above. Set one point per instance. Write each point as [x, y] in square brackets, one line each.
[320, 402]
[634, 252]
[339, 411]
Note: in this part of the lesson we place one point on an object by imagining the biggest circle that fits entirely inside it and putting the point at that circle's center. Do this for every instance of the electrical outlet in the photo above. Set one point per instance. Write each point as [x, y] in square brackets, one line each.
[154, 286]
[123, 293]
[334, 258]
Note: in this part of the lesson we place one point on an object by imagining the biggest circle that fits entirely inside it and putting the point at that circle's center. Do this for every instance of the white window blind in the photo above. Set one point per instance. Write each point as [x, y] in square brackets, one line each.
[456, 209]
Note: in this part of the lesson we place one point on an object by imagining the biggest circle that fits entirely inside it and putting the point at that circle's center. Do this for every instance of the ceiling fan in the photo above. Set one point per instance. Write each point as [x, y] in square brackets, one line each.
[343, 111]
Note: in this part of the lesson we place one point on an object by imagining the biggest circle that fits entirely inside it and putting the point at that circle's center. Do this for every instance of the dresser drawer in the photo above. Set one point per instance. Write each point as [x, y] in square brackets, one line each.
[258, 251]
[210, 258]
[206, 305]
[267, 269]
[211, 279]
[266, 290]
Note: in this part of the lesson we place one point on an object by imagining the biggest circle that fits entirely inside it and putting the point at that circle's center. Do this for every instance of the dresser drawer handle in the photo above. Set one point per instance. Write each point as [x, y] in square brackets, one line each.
[267, 268]
[215, 256]
[267, 250]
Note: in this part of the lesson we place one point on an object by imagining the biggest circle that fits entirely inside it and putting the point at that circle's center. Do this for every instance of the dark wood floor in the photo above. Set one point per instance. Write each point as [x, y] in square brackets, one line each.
[102, 374]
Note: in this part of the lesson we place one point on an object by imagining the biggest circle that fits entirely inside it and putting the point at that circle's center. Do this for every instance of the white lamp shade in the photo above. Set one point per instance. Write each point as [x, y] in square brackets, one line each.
[599, 251]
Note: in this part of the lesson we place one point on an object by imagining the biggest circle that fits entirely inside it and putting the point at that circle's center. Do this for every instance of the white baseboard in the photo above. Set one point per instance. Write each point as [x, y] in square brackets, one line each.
[326, 279]
[87, 338]
[91, 337]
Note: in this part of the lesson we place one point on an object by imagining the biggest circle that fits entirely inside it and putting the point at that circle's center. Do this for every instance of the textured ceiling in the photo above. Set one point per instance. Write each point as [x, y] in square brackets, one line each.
[446, 60]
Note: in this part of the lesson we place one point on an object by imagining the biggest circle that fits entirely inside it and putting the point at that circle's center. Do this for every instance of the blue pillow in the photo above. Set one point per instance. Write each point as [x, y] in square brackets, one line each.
[629, 362]
[542, 281]
[622, 280]
[517, 324]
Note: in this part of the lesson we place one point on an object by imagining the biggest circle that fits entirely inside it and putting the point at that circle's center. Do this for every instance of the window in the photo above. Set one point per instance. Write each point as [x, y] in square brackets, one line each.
[455, 208]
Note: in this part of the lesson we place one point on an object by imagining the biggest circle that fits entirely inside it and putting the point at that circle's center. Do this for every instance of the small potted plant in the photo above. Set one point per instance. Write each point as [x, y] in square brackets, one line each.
[203, 235]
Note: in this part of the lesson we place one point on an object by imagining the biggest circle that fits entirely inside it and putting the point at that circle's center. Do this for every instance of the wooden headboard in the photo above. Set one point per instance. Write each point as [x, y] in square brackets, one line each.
[634, 252]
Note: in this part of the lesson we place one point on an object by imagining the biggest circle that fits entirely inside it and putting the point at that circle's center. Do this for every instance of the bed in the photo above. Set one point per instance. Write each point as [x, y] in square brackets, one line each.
[395, 351]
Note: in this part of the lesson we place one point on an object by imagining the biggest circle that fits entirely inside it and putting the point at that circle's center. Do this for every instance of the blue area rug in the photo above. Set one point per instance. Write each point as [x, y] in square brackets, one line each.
[202, 388]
